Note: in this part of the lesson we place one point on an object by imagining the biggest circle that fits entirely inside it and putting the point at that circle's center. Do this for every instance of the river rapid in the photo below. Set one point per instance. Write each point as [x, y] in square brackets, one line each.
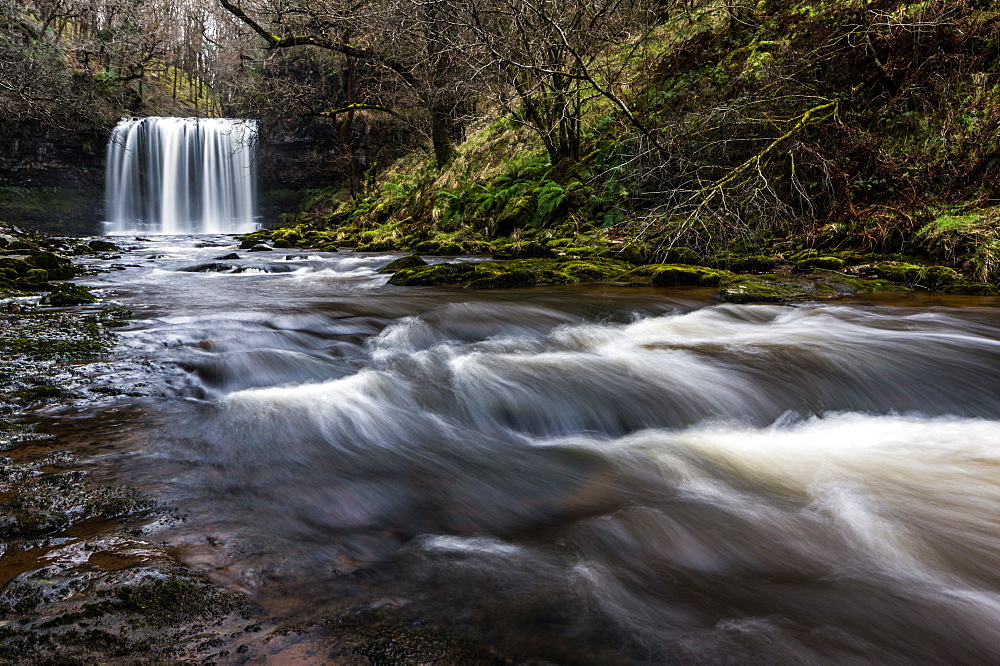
[586, 474]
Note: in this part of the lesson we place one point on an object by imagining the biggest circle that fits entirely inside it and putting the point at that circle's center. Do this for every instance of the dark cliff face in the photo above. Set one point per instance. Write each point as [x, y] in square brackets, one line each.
[51, 180]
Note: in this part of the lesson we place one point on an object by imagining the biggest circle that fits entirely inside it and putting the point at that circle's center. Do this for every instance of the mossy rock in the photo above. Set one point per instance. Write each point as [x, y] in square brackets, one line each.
[583, 271]
[508, 280]
[939, 277]
[17, 264]
[102, 246]
[67, 294]
[37, 276]
[970, 289]
[36, 394]
[803, 255]
[412, 261]
[826, 261]
[896, 271]
[329, 247]
[427, 247]
[750, 289]
[439, 274]
[61, 273]
[47, 260]
[283, 243]
[675, 275]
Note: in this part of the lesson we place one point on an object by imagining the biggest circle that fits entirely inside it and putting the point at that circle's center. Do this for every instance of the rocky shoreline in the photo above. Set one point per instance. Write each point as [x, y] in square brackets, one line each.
[795, 275]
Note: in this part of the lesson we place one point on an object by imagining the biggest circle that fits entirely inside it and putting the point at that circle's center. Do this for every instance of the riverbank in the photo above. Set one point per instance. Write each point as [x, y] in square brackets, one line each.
[797, 276]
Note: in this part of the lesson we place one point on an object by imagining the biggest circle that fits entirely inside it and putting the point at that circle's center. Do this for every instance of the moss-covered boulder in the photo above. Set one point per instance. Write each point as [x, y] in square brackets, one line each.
[67, 294]
[898, 271]
[37, 276]
[411, 261]
[439, 274]
[674, 275]
[17, 263]
[102, 246]
[827, 261]
[754, 289]
[512, 274]
[963, 288]
[506, 280]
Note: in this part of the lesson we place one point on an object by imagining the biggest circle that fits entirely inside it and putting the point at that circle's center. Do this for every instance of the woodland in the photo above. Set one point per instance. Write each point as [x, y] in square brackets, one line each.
[682, 131]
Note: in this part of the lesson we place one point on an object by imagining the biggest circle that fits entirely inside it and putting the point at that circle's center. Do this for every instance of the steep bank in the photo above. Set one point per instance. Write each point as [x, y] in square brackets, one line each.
[790, 131]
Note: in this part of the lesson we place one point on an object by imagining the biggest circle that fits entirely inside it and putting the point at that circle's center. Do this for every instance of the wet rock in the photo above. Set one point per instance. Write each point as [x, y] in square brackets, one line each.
[411, 261]
[259, 248]
[102, 246]
[964, 288]
[507, 280]
[214, 267]
[674, 275]
[265, 268]
[752, 290]
[67, 294]
[232, 256]
[439, 274]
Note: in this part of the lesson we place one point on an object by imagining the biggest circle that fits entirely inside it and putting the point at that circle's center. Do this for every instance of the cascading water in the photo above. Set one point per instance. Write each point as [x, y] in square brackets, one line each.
[181, 176]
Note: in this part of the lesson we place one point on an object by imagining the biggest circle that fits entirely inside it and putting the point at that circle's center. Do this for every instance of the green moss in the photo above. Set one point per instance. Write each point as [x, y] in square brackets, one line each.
[829, 262]
[439, 274]
[33, 394]
[67, 294]
[411, 261]
[507, 280]
[674, 275]
[970, 289]
[900, 272]
[747, 289]
[37, 276]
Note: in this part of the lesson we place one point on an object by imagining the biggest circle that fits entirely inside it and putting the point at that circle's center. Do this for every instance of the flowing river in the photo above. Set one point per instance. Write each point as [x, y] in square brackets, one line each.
[578, 474]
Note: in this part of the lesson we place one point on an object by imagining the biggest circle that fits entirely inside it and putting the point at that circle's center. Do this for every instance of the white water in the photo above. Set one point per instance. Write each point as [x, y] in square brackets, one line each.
[584, 475]
[181, 176]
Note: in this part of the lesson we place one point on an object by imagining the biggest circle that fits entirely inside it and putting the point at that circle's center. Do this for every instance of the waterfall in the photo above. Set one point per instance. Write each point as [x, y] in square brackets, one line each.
[181, 176]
